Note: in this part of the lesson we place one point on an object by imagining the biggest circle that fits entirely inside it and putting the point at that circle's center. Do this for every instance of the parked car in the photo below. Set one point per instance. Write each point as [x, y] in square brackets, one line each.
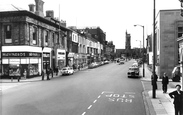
[121, 62]
[133, 72]
[176, 74]
[67, 71]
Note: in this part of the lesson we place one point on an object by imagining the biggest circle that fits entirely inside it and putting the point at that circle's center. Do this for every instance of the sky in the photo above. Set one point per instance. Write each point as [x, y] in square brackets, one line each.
[114, 17]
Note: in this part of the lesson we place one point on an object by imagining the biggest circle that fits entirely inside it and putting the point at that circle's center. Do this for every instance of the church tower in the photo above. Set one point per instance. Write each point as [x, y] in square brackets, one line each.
[128, 41]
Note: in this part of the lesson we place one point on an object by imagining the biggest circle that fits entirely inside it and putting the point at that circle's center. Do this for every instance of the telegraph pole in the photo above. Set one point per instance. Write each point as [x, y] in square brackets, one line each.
[154, 51]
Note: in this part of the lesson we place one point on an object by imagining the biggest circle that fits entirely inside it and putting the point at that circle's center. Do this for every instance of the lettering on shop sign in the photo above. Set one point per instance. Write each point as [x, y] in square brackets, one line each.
[126, 98]
[46, 55]
[21, 54]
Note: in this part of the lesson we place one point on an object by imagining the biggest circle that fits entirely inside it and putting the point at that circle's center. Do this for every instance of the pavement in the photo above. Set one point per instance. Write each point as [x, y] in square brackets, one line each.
[162, 104]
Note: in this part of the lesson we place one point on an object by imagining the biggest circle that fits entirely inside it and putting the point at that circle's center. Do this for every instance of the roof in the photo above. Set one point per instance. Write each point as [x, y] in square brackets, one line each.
[17, 12]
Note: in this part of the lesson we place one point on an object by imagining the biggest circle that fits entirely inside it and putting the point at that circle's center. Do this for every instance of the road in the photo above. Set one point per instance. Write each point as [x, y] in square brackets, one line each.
[105, 90]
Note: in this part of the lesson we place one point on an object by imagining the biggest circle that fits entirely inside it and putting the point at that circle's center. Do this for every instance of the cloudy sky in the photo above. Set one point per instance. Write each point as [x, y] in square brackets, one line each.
[113, 16]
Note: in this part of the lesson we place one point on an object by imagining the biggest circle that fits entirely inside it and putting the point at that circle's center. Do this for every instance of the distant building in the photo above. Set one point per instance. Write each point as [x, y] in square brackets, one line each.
[128, 44]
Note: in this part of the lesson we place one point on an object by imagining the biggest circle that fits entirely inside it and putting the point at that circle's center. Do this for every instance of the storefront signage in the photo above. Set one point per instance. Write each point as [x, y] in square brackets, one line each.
[46, 54]
[21, 54]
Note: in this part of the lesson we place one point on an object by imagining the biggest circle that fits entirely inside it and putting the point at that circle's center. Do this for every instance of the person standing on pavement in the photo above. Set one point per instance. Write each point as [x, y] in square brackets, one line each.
[154, 81]
[178, 100]
[48, 73]
[51, 71]
[42, 74]
[165, 82]
[56, 70]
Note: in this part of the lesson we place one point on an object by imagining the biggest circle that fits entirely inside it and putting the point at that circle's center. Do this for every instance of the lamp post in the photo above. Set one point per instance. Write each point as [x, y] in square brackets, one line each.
[1, 57]
[143, 50]
[154, 82]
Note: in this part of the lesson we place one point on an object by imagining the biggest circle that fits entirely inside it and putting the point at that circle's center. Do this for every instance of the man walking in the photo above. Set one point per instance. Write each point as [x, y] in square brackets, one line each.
[165, 82]
[178, 100]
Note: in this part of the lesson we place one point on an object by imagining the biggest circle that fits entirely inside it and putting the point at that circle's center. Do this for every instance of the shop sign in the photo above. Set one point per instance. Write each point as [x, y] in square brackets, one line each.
[46, 54]
[21, 54]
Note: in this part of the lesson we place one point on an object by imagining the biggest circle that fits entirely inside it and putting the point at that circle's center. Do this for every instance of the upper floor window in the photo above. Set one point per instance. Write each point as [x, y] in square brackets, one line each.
[34, 35]
[8, 33]
[46, 38]
[180, 31]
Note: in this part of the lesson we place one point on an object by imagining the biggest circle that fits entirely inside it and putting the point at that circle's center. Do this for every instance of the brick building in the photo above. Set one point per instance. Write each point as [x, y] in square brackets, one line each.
[31, 41]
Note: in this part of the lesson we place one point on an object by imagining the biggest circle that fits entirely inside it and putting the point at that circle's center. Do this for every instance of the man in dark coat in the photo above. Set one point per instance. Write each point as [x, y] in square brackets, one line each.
[154, 81]
[165, 82]
[178, 100]
[48, 73]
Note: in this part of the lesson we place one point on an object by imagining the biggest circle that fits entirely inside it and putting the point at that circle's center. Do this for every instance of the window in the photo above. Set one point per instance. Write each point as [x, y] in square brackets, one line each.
[180, 31]
[46, 38]
[34, 35]
[8, 33]
[53, 38]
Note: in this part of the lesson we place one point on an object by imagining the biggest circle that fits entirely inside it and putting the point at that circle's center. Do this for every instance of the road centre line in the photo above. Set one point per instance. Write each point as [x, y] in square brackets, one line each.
[99, 96]
[95, 101]
[89, 106]
[84, 113]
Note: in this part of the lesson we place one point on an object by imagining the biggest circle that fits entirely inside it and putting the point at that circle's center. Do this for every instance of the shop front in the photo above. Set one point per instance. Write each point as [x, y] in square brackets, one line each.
[70, 59]
[18, 63]
[61, 58]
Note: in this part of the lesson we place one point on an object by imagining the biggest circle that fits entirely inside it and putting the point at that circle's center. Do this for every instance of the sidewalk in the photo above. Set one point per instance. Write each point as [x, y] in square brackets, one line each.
[162, 104]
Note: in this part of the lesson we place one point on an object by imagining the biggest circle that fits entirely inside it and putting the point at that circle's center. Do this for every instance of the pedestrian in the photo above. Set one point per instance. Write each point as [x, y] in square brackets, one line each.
[48, 73]
[42, 74]
[51, 71]
[165, 82]
[154, 81]
[25, 74]
[56, 70]
[177, 95]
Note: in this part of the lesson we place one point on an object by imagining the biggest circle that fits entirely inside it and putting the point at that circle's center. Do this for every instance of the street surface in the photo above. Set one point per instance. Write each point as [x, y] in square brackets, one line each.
[105, 90]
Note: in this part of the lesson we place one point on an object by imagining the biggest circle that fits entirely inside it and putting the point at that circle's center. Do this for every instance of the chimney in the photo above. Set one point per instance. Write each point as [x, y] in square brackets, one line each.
[50, 13]
[39, 8]
[32, 8]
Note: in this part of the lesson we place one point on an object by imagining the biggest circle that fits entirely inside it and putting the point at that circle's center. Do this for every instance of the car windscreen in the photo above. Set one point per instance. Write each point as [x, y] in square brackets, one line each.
[134, 69]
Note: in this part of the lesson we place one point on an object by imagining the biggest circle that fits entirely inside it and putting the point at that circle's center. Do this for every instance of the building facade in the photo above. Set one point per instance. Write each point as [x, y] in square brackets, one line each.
[168, 29]
[31, 42]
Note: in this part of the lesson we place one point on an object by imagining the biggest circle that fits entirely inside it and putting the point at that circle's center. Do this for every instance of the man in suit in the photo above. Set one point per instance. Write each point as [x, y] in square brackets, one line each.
[165, 82]
[178, 100]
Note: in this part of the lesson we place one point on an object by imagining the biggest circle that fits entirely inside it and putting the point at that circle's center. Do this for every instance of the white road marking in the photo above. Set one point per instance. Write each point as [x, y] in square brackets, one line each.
[129, 92]
[89, 106]
[99, 96]
[84, 113]
[95, 101]
[106, 92]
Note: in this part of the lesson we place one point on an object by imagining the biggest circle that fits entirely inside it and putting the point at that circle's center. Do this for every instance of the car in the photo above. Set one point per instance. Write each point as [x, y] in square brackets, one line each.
[121, 62]
[133, 72]
[67, 71]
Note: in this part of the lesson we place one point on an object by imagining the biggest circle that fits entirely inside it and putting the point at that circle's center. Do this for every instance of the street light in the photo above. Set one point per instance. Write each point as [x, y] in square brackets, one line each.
[1, 58]
[154, 81]
[143, 49]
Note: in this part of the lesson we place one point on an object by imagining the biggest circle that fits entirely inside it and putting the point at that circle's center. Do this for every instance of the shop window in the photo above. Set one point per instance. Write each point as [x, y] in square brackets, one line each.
[8, 33]
[180, 31]
[34, 35]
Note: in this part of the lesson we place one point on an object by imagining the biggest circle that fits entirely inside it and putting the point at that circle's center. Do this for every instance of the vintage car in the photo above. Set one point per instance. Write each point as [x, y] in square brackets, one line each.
[67, 71]
[133, 71]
